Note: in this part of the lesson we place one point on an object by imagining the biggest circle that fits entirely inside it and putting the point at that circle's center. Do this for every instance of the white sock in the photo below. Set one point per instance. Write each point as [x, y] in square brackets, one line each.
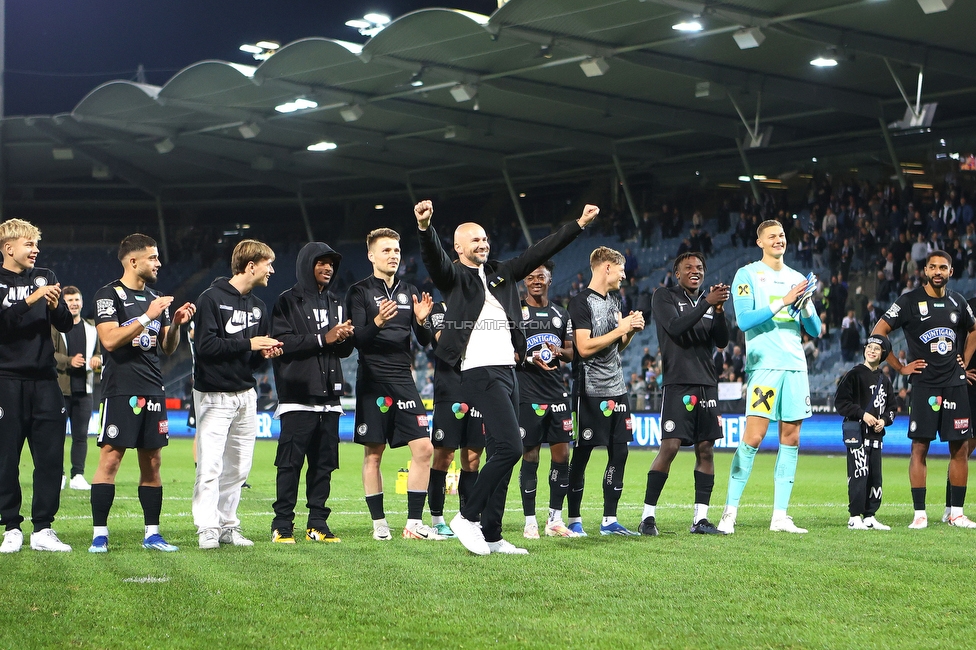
[609, 520]
[555, 515]
[150, 530]
[779, 514]
[100, 531]
[732, 511]
[921, 513]
[380, 522]
[414, 522]
[574, 520]
[955, 512]
[531, 520]
[649, 511]
[701, 512]
[436, 520]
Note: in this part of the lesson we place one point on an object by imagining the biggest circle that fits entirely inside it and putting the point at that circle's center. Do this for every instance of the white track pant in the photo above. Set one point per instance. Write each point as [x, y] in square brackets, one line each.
[226, 429]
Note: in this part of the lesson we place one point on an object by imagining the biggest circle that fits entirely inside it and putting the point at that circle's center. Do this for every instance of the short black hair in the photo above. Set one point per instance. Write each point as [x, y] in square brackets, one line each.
[938, 253]
[133, 243]
[681, 258]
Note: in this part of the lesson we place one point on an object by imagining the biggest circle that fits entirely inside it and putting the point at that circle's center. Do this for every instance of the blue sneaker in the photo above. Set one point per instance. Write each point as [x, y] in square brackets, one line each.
[577, 527]
[443, 530]
[157, 543]
[616, 529]
[99, 544]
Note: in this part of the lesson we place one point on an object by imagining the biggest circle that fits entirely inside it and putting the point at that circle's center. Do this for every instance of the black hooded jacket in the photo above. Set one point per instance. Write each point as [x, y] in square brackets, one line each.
[26, 349]
[225, 322]
[308, 371]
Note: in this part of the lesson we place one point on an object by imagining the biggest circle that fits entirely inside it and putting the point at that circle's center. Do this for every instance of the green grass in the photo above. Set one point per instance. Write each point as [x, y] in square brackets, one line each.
[829, 588]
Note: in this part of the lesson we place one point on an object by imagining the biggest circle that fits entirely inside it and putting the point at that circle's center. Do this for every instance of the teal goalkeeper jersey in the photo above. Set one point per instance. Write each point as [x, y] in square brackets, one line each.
[774, 344]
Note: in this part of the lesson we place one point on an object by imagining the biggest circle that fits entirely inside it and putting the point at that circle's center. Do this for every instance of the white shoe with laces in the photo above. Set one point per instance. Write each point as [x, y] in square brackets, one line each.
[727, 523]
[381, 533]
[470, 535]
[47, 540]
[856, 523]
[78, 482]
[506, 548]
[874, 524]
[421, 531]
[962, 521]
[12, 541]
[531, 531]
[233, 537]
[921, 521]
[785, 525]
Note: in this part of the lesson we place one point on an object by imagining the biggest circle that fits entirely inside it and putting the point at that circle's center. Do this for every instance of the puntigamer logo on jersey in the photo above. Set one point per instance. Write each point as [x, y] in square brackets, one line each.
[384, 403]
[460, 410]
[609, 406]
[690, 402]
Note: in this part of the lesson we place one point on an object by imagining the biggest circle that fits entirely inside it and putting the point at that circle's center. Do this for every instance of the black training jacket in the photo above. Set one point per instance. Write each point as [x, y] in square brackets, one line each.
[224, 324]
[465, 294]
[864, 390]
[309, 370]
[26, 349]
[688, 331]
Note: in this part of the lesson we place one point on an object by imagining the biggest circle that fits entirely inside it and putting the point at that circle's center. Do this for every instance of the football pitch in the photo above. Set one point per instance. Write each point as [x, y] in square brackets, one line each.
[827, 589]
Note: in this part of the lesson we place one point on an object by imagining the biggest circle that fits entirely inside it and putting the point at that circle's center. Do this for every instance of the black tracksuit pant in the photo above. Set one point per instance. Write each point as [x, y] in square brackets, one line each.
[493, 390]
[864, 479]
[79, 407]
[305, 434]
[31, 410]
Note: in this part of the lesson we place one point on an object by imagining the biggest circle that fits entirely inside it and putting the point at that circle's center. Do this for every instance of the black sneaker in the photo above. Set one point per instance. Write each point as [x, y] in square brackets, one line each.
[705, 527]
[648, 527]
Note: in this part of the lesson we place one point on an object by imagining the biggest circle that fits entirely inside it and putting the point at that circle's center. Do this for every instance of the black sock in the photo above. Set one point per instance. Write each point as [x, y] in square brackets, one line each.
[375, 504]
[151, 499]
[415, 503]
[465, 485]
[655, 483]
[918, 498]
[577, 479]
[435, 492]
[948, 493]
[528, 486]
[703, 487]
[558, 484]
[957, 497]
[613, 478]
[102, 496]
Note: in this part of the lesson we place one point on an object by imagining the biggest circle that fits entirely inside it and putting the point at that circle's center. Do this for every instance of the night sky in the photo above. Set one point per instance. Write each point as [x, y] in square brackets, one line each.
[57, 50]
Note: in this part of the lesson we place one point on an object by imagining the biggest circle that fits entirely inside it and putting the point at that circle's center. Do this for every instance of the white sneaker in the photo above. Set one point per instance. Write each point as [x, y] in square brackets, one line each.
[962, 521]
[470, 535]
[47, 540]
[945, 515]
[12, 541]
[531, 531]
[874, 524]
[209, 538]
[381, 533]
[727, 523]
[506, 548]
[921, 521]
[785, 525]
[78, 482]
[856, 523]
[233, 537]
[421, 531]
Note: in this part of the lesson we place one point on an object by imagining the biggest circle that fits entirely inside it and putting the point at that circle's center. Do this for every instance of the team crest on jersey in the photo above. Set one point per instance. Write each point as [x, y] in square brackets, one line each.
[362, 429]
[557, 322]
[763, 398]
[112, 431]
[587, 434]
[439, 435]
[402, 298]
[923, 308]
[743, 290]
[256, 313]
[953, 317]
[40, 281]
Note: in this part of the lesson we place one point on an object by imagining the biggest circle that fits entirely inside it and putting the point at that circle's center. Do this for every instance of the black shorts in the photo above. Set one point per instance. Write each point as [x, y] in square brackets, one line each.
[690, 414]
[389, 414]
[552, 423]
[603, 421]
[457, 425]
[137, 422]
[942, 409]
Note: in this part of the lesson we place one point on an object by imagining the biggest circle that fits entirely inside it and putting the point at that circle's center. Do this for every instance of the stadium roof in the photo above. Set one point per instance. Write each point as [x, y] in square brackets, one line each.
[513, 94]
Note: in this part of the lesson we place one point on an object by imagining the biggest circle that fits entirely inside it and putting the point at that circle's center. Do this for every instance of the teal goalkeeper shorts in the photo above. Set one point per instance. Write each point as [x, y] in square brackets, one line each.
[781, 395]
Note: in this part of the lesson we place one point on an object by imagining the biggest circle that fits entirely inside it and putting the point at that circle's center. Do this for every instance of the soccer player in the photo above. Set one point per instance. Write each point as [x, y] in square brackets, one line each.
[935, 320]
[865, 398]
[389, 411]
[690, 325]
[231, 333]
[600, 334]
[308, 320]
[135, 329]
[481, 334]
[32, 405]
[764, 295]
[457, 425]
[544, 405]
[79, 357]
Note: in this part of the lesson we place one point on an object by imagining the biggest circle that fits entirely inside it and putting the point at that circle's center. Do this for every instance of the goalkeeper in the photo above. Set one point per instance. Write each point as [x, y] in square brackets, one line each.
[772, 302]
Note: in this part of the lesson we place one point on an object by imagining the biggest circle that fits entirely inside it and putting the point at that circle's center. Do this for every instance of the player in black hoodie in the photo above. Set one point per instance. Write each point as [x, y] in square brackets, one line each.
[231, 337]
[864, 395]
[32, 406]
[308, 320]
